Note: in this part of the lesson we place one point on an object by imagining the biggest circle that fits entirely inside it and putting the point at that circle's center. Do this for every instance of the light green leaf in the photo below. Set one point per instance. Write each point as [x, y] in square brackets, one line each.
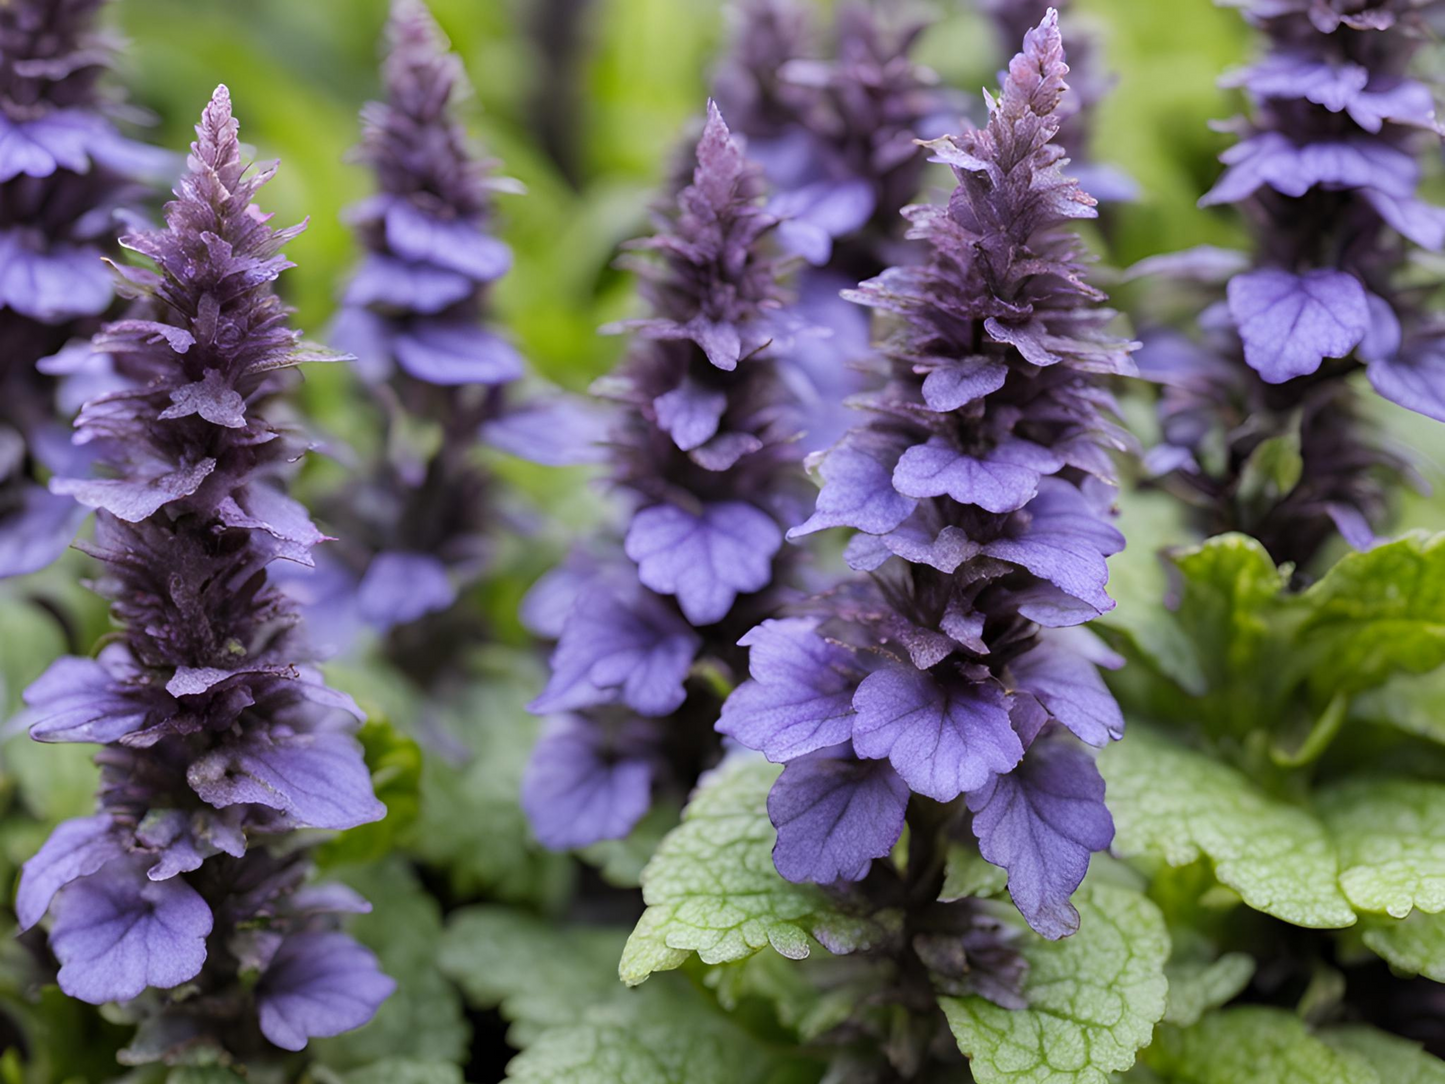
[1375, 614]
[1414, 703]
[665, 1033]
[968, 873]
[540, 973]
[405, 1071]
[1252, 1045]
[210, 1074]
[1414, 945]
[1093, 999]
[1196, 986]
[711, 888]
[1177, 804]
[1390, 835]
[1393, 1059]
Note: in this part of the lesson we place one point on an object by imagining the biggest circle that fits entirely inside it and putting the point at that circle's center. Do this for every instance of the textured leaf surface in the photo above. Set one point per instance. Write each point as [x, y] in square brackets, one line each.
[406, 1071]
[1390, 835]
[1394, 1060]
[541, 974]
[711, 888]
[1415, 945]
[666, 1033]
[1093, 999]
[1253, 1045]
[1177, 804]
[1195, 987]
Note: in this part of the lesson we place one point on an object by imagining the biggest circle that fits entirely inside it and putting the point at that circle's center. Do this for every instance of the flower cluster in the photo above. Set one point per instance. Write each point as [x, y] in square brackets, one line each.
[416, 529]
[956, 671]
[702, 448]
[218, 740]
[836, 139]
[1327, 168]
[65, 172]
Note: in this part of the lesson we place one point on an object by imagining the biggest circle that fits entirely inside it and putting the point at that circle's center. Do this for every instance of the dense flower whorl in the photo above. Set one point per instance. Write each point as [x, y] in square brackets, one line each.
[955, 671]
[65, 171]
[414, 314]
[218, 740]
[702, 450]
[1327, 167]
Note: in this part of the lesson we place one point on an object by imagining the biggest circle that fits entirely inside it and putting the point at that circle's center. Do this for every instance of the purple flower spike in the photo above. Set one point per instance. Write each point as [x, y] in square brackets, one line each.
[66, 173]
[703, 441]
[974, 486]
[219, 738]
[1328, 167]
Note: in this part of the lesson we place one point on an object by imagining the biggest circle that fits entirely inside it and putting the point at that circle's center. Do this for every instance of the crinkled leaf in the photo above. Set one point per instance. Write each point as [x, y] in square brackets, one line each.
[1197, 986]
[1174, 803]
[1252, 1045]
[1093, 999]
[712, 888]
[1395, 1060]
[1414, 945]
[1390, 835]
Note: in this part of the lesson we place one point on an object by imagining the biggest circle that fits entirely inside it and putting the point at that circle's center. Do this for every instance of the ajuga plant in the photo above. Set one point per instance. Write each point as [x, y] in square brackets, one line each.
[933, 715]
[186, 898]
[1281, 785]
[1088, 85]
[1262, 431]
[836, 137]
[65, 174]
[701, 451]
[418, 527]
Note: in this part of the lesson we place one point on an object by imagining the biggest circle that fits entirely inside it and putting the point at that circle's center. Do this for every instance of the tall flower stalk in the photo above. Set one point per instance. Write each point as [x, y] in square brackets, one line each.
[65, 174]
[702, 452]
[414, 313]
[186, 897]
[951, 688]
[1262, 430]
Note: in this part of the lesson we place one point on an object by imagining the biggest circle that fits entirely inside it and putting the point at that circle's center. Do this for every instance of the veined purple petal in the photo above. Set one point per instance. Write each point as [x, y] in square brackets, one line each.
[834, 816]
[1001, 480]
[576, 791]
[76, 848]
[399, 588]
[449, 353]
[319, 984]
[415, 235]
[1290, 323]
[858, 488]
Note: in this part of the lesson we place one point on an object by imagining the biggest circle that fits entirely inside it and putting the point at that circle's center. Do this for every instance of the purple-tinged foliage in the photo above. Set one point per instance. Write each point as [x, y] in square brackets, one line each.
[702, 448]
[1327, 167]
[835, 129]
[979, 486]
[66, 173]
[218, 739]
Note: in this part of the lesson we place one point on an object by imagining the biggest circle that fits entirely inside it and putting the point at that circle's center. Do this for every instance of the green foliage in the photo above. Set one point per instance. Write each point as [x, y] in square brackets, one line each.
[1252, 1045]
[712, 889]
[1414, 946]
[396, 768]
[1195, 987]
[1093, 999]
[1390, 835]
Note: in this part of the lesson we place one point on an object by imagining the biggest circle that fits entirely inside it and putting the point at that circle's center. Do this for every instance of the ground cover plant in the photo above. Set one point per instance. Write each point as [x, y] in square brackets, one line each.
[805, 542]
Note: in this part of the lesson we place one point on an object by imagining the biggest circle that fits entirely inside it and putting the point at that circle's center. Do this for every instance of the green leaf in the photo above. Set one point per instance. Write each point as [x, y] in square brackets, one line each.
[1272, 470]
[1093, 999]
[423, 1020]
[1414, 945]
[711, 888]
[968, 873]
[1197, 986]
[1414, 703]
[1394, 1060]
[1173, 803]
[1390, 835]
[470, 825]
[1375, 614]
[1253, 1045]
[541, 974]
[405, 1071]
[211, 1074]
[665, 1033]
